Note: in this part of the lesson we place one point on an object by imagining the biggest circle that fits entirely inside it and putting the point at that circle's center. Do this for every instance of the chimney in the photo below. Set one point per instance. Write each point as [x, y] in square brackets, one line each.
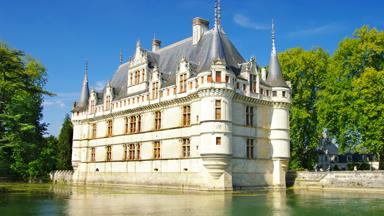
[156, 45]
[263, 74]
[199, 27]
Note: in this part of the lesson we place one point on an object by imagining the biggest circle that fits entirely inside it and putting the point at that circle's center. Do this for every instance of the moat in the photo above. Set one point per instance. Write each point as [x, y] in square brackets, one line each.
[46, 199]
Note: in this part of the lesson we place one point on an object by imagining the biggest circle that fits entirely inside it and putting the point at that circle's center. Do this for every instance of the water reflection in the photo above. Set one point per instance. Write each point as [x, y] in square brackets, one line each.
[87, 201]
[64, 200]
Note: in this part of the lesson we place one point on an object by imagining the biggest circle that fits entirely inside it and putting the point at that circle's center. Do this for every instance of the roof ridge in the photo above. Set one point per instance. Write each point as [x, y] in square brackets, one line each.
[173, 45]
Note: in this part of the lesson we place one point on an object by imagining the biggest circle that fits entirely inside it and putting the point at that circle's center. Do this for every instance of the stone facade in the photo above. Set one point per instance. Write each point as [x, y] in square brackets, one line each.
[206, 126]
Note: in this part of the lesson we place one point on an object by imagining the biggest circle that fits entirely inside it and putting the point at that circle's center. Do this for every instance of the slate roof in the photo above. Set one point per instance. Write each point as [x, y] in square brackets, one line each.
[214, 44]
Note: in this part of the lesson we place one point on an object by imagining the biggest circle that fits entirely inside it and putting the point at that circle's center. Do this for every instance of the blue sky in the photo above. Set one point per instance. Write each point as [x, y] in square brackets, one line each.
[63, 34]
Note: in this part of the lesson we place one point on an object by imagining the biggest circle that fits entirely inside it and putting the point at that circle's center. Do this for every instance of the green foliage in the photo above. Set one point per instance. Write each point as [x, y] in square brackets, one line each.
[22, 81]
[65, 145]
[351, 99]
[305, 70]
[343, 93]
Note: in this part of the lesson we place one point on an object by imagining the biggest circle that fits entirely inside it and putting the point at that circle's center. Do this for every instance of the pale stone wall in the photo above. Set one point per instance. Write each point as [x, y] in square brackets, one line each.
[343, 180]
[211, 166]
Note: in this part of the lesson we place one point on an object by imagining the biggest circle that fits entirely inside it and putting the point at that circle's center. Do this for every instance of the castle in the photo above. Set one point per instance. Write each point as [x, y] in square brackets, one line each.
[193, 114]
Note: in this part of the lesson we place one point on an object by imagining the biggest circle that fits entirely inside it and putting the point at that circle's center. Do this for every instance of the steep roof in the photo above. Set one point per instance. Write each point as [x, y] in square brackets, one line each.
[214, 44]
[275, 77]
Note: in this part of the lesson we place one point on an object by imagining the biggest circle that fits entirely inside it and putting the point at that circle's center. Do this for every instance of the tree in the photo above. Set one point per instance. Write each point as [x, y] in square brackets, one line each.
[368, 91]
[65, 145]
[345, 91]
[22, 81]
[305, 70]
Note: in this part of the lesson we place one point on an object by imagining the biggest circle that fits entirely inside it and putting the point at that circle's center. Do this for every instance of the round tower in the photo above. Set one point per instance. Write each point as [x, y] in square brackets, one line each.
[280, 132]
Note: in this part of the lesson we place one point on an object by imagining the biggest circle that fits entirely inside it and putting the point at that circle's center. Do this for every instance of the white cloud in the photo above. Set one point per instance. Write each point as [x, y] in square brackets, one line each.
[99, 85]
[246, 22]
[54, 103]
[324, 29]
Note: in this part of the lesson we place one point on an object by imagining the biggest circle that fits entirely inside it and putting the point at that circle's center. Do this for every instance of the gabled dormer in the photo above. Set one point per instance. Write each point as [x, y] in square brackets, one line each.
[92, 101]
[108, 97]
[183, 73]
[156, 83]
[219, 71]
[138, 71]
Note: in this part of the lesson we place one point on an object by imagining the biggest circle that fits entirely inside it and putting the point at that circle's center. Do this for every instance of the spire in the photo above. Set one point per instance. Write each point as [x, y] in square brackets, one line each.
[217, 14]
[83, 101]
[121, 56]
[273, 39]
[275, 77]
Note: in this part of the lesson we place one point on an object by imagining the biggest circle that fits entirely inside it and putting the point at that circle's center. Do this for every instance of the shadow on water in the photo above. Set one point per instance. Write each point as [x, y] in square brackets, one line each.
[77, 200]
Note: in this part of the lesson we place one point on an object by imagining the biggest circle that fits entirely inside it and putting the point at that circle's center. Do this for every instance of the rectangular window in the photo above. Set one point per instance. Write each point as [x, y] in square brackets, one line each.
[138, 76]
[110, 128]
[186, 116]
[183, 82]
[93, 105]
[218, 109]
[109, 153]
[218, 140]
[237, 85]
[261, 91]
[138, 151]
[155, 90]
[93, 154]
[218, 76]
[139, 123]
[202, 80]
[249, 116]
[209, 78]
[94, 130]
[186, 148]
[252, 82]
[227, 79]
[284, 94]
[156, 150]
[132, 124]
[131, 152]
[250, 148]
[108, 103]
[125, 156]
[157, 120]
[126, 125]
[274, 93]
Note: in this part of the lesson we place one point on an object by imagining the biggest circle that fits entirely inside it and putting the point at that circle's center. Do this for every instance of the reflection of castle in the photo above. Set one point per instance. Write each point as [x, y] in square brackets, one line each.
[192, 114]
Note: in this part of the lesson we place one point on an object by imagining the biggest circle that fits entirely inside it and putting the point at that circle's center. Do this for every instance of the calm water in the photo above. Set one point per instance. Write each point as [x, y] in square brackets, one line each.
[16, 199]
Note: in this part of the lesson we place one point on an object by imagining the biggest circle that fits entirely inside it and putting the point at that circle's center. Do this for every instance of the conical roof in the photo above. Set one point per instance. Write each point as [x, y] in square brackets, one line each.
[275, 77]
[84, 95]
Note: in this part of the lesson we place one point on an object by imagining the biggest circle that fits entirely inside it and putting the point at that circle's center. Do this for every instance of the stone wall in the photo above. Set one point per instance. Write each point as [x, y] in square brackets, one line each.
[61, 176]
[336, 180]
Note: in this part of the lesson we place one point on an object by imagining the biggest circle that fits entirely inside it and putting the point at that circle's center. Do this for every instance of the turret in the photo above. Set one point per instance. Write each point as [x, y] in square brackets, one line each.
[280, 133]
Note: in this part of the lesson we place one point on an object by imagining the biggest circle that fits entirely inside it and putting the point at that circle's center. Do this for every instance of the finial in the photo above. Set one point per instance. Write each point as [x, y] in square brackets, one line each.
[86, 69]
[121, 56]
[138, 43]
[273, 38]
[217, 14]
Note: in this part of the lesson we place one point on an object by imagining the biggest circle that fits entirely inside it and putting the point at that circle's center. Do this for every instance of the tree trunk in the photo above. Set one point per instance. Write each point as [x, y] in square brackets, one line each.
[381, 160]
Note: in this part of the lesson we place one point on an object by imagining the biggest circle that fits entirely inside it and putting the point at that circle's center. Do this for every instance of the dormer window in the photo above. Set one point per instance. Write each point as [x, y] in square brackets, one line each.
[252, 82]
[183, 82]
[107, 102]
[218, 76]
[93, 105]
[155, 90]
